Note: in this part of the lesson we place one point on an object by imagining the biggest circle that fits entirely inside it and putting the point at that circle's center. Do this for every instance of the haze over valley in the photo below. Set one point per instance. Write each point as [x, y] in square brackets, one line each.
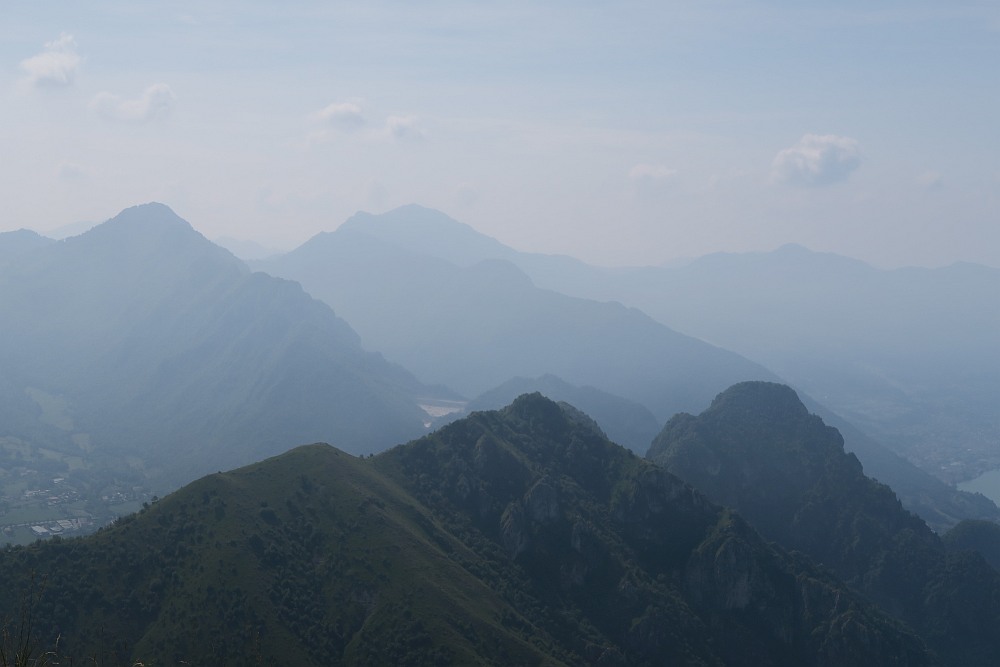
[141, 356]
[528, 334]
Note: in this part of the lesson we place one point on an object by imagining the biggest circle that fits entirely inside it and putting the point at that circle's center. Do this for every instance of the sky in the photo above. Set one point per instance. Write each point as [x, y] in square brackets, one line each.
[621, 133]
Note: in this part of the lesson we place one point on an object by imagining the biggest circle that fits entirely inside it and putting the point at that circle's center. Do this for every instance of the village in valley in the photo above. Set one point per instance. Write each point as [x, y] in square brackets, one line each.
[49, 496]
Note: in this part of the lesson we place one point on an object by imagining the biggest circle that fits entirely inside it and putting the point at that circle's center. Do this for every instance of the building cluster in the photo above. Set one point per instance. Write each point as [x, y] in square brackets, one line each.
[50, 528]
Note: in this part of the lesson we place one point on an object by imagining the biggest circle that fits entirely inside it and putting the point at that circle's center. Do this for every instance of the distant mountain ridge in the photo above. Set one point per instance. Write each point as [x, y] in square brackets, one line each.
[167, 348]
[413, 282]
[908, 355]
[15, 244]
[476, 324]
[428, 232]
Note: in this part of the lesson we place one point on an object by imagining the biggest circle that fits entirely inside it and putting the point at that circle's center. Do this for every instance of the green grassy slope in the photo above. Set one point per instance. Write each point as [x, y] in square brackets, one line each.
[310, 558]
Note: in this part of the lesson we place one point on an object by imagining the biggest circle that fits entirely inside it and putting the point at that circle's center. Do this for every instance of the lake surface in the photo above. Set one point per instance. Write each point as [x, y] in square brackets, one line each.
[987, 484]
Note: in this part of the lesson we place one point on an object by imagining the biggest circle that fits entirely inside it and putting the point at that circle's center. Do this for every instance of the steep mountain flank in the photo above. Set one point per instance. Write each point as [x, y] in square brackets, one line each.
[980, 536]
[163, 347]
[759, 451]
[939, 504]
[514, 537]
[652, 567]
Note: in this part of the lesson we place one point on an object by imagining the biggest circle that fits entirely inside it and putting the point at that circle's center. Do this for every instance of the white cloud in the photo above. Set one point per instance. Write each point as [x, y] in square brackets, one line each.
[651, 173]
[56, 65]
[340, 118]
[345, 115]
[403, 127]
[817, 159]
[156, 102]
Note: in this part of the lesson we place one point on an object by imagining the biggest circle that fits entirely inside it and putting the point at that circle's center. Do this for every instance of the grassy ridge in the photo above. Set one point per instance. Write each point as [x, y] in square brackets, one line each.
[308, 558]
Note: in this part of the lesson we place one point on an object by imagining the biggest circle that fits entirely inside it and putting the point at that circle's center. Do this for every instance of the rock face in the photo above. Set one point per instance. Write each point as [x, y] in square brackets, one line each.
[759, 451]
[657, 571]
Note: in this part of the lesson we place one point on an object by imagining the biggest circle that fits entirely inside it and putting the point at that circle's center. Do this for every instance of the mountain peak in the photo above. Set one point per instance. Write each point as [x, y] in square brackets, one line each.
[555, 417]
[150, 215]
[757, 431]
[428, 231]
[793, 248]
[789, 258]
[151, 230]
[765, 398]
[23, 235]
[534, 406]
[15, 244]
[790, 477]
[154, 225]
[408, 214]
[566, 506]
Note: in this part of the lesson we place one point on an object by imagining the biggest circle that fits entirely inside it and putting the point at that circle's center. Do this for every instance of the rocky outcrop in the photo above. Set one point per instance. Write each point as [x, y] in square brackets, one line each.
[655, 570]
[786, 472]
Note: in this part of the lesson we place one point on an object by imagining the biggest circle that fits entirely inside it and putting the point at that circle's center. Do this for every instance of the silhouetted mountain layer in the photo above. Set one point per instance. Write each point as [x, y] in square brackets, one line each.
[514, 537]
[908, 355]
[14, 245]
[759, 451]
[413, 281]
[625, 422]
[473, 327]
[142, 339]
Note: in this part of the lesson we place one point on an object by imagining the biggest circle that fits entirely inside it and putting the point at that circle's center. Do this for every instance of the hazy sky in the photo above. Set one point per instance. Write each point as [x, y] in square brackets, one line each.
[622, 133]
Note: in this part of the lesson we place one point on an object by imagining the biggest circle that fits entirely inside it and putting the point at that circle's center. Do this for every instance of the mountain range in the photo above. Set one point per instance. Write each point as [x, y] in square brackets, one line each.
[508, 535]
[473, 327]
[461, 309]
[140, 340]
[521, 536]
[907, 355]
